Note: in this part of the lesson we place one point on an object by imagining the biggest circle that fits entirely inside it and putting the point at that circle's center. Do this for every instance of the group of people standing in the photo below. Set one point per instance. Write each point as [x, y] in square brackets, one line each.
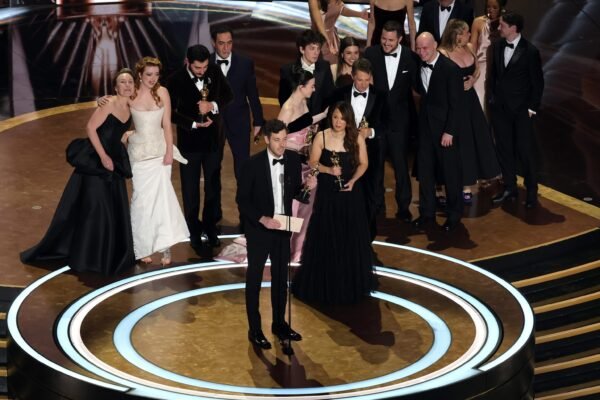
[342, 115]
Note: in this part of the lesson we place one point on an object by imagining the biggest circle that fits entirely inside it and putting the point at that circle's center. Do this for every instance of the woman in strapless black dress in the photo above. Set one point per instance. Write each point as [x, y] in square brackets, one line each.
[336, 265]
[91, 228]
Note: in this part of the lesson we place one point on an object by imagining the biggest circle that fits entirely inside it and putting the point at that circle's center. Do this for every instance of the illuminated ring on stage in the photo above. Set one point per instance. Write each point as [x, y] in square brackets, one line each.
[81, 308]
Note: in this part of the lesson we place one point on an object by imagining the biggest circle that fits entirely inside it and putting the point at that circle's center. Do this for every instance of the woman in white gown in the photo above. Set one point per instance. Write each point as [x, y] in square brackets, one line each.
[157, 221]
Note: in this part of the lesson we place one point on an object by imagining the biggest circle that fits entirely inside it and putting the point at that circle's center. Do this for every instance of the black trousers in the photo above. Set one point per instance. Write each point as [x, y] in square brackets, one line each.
[208, 164]
[277, 245]
[515, 139]
[432, 157]
[372, 184]
[395, 144]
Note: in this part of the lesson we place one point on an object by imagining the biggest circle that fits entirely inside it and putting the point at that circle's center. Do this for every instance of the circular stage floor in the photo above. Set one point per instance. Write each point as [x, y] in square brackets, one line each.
[436, 326]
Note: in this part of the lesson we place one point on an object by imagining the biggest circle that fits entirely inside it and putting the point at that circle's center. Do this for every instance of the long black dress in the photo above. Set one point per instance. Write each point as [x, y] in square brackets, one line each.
[477, 149]
[381, 17]
[336, 265]
[91, 227]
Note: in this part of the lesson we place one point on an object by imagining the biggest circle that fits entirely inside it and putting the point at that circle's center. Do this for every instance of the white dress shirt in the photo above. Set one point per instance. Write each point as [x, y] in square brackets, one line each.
[224, 66]
[306, 66]
[508, 52]
[277, 174]
[444, 16]
[426, 73]
[391, 66]
[359, 105]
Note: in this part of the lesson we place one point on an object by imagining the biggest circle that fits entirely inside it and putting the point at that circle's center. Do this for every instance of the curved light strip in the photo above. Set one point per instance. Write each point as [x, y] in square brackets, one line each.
[122, 335]
[15, 334]
[528, 318]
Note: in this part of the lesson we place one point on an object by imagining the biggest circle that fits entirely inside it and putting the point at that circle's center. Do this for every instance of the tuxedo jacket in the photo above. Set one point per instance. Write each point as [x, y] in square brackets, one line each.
[184, 103]
[430, 17]
[242, 81]
[441, 107]
[376, 106]
[255, 191]
[399, 94]
[321, 97]
[519, 85]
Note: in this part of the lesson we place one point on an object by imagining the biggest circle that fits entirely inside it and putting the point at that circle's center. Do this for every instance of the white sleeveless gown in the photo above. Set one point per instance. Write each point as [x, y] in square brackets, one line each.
[157, 221]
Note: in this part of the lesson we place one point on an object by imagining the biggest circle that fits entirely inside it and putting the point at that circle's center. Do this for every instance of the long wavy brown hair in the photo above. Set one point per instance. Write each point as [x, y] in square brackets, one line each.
[351, 136]
[140, 66]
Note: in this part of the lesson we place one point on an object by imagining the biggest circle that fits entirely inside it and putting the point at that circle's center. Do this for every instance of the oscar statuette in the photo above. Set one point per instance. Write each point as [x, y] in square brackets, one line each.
[204, 92]
[304, 195]
[335, 160]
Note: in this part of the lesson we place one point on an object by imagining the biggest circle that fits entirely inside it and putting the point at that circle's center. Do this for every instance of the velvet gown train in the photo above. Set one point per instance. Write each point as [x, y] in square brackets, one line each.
[91, 228]
[336, 265]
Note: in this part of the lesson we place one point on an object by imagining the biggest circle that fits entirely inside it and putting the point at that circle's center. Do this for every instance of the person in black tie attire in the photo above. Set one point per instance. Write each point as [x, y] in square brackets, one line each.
[368, 105]
[515, 85]
[239, 71]
[393, 74]
[198, 139]
[309, 45]
[269, 181]
[440, 85]
[436, 14]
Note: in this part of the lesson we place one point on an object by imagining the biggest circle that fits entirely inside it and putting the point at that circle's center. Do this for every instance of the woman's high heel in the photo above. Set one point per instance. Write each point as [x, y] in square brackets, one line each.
[166, 258]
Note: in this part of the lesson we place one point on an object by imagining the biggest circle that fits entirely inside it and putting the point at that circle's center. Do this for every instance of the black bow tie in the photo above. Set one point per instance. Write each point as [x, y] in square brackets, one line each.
[425, 65]
[278, 160]
[198, 79]
[219, 62]
[511, 45]
[391, 54]
[442, 8]
[363, 94]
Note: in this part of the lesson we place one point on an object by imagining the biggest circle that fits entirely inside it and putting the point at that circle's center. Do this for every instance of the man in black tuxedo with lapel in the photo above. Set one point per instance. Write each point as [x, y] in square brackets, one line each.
[198, 139]
[394, 72]
[368, 105]
[239, 71]
[515, 85]
[440, 85]
[309, 45]
[436, 14]
[269, 181]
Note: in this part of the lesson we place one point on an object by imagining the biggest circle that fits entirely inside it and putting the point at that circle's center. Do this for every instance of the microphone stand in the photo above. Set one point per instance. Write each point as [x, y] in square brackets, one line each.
[286, 344]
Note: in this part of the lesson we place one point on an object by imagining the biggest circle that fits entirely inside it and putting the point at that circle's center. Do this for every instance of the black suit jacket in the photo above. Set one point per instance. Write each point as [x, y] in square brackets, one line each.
[520, 84]
[242, 81]
[184, 103]
[398, 95]
[255, 192]
[430, 21]
[376, 106]
[440, 105]
[321, 98]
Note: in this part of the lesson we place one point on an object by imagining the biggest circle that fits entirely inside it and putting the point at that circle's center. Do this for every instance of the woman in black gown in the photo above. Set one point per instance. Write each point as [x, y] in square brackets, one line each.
[477, 149]
[91, 228]
[336, 265]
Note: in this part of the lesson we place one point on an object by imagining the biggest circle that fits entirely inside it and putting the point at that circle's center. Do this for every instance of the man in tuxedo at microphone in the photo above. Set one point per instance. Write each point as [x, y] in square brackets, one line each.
[196, 112]
[269, 181]
[369, 105]
[515, 85]
[440, 85]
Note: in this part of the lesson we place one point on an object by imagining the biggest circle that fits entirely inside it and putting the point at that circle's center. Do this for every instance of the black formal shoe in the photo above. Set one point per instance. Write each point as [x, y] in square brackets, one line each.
[450, 225]
[257, 338]
[404, 216]
[284, 332]
[529, 204]
[422, 222]
[505, 195]
[213, 240]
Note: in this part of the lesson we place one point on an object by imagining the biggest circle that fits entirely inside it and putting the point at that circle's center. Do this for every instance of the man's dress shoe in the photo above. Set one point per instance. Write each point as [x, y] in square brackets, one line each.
[505, 195]
[450, 225]
[422, 222]
[284, 332]
[529, 204]
[213, 240]
[257, 338]
[404, 216]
